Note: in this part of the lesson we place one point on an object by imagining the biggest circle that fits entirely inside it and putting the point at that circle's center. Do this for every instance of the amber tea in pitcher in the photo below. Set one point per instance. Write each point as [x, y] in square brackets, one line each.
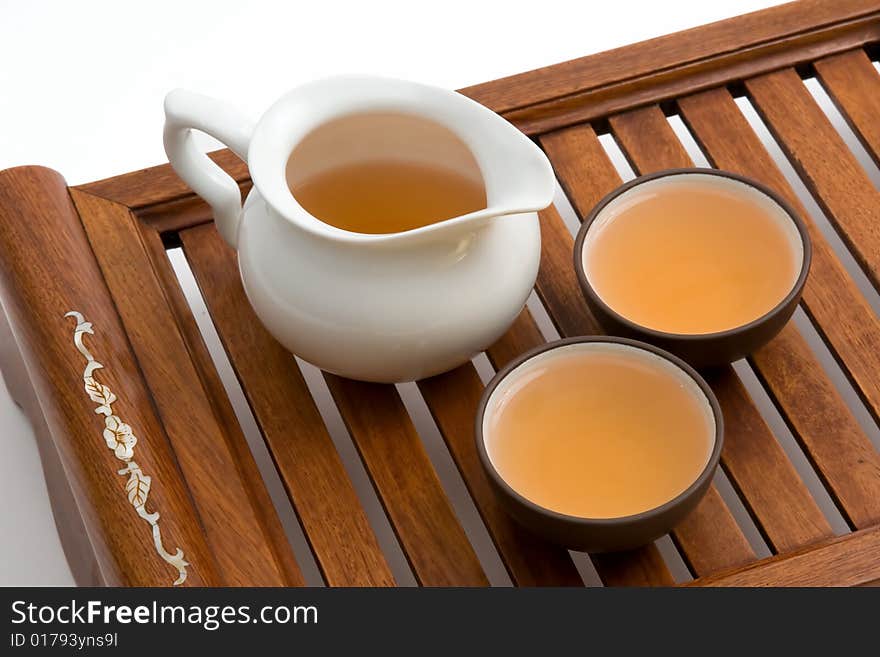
[388, 196]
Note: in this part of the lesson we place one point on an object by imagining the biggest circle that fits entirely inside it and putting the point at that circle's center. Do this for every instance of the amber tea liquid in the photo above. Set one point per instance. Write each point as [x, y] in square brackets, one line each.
[599, 430]
[691, 256]
[388, 196]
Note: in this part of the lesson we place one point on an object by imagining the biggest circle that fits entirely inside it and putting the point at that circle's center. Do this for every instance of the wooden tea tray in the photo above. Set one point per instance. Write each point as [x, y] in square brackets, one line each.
[190, 481]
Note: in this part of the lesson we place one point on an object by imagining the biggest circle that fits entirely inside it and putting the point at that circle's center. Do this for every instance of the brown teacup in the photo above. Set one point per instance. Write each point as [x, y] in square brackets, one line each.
[625, 475]
[706, 264]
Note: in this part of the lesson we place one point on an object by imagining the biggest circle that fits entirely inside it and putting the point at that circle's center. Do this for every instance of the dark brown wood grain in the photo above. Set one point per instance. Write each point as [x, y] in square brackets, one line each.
[531, 561]
[429, 532]
[201, 444]
[841, 452]
[345, 547]
[826, 165]
[649, 72]
[586, 174]
[47, 269]
[846, 561]
[853, 84]
[756, 463]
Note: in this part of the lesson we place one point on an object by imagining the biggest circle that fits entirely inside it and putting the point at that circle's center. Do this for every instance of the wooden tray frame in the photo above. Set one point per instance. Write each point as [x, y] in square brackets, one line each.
[100, 250]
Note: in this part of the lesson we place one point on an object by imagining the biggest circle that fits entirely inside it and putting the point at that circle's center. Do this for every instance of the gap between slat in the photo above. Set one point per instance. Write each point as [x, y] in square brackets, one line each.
[357, 474]
[586, 569]
[454, 486]
[484, 367]
[674, 561]
[542, 318]
[741, 514]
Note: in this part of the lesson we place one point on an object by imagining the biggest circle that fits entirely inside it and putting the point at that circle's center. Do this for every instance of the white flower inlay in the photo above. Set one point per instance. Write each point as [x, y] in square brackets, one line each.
[119, 437]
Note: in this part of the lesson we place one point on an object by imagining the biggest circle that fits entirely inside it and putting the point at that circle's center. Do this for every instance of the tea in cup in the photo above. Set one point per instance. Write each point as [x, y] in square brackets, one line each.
[599, 443]
[706, 264]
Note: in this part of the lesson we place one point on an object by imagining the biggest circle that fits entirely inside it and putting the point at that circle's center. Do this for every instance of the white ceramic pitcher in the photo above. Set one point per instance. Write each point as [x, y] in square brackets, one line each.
[377, 307]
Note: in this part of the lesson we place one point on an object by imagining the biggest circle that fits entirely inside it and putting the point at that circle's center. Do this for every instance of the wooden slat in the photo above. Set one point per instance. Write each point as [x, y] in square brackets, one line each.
[827, 166]
[708, 541]
[640, 567]
[428, 530]
[843, 455]
[755, 461]
[591, 87]
[345, 547]
[452, 399]
[854, 85]
[846, 561]
[239, 541]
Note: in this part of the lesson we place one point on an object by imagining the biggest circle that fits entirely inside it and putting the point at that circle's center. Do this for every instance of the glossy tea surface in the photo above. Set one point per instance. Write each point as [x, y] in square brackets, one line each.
[599, 430]
[688, 255]
[388, 196]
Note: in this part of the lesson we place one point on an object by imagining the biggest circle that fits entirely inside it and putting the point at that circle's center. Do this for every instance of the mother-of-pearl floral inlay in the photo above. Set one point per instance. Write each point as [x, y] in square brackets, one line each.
[119, 437]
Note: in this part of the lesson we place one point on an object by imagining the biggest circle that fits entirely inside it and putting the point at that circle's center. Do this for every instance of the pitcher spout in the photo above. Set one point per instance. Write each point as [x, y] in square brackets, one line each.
[518, 176]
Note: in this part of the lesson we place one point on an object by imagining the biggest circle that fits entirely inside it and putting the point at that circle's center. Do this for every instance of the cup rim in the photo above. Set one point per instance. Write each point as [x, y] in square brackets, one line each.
[787, 208]
[583, 521]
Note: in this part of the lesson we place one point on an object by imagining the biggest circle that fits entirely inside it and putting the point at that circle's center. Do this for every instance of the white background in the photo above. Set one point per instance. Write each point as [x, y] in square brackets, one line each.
[81, 88]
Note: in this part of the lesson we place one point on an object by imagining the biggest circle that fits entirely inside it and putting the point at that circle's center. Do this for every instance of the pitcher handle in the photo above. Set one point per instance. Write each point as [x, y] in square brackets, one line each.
[186, 111]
